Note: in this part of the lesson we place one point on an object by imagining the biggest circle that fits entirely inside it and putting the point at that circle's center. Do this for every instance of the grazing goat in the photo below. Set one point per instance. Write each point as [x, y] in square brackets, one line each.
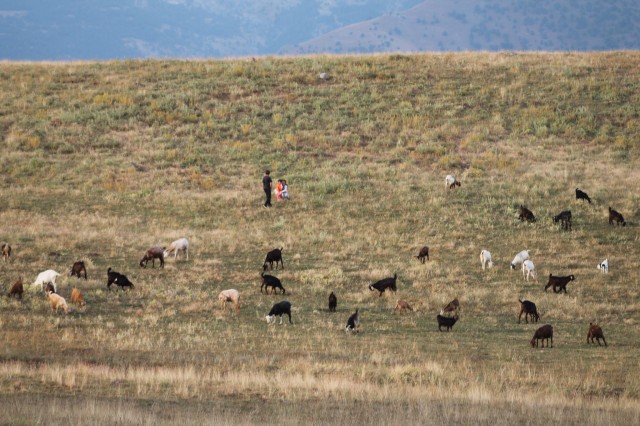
[76, 297]
[604, 266]
[152, 254]
[448, 322]
[77, 269]
[485, 259]
[559, 283]
[526, 214]
[118, 279]
[424, 253]
[271, 281]
[528, 308]
[450, 182]
[402, 306]
[274, 255]
[16, 289]
[616, 217]
[231, 295]
[278, 310]
[48, 276]
[6, 251]
[595, 332]
[544, 332]
[57, 302]
[564, 217]
[528, 269]
[333, 302]
[519, 258]
[181, 244]
[382, 285]
[353, 323]
[581, 195]
[452, 306]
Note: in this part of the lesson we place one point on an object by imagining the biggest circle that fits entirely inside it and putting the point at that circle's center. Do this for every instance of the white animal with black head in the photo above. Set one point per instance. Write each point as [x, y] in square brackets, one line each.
[604, 266]
[353, 323]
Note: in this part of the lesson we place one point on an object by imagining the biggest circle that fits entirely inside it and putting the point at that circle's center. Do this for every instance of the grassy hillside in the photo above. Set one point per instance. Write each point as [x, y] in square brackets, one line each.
[103, 160]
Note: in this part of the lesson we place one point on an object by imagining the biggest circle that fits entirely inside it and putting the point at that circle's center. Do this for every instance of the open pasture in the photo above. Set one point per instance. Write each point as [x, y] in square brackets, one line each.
[100, 161]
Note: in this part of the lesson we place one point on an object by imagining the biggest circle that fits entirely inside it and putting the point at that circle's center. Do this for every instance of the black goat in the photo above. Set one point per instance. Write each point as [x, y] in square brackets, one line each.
[274, 255]
[424, 253]
[353, 323]
[382, 285]
[528, 308]
[78, 268]
[118, 279]
[278, 310]
[580, 195]
[564, 217]
[271, 281]
[616, 217]
[526, 214]
[448, 322]
[544, 332]
[333, 302]
[559, 283]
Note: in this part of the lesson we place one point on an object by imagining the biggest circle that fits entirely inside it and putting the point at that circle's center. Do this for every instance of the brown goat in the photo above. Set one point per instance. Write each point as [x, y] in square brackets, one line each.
[424, 253]
[16, 289]
[616, 217]
[529, 309]
[152, 254]
[402, 306]
[595, 332]
[78, 269]
[452, 306]
[544, 332]
[526, 214]
[6, 251]
[76, 297]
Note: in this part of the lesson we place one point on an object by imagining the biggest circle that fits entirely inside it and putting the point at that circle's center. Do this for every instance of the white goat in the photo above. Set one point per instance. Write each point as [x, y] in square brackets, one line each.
[485, 259]
[48, 276]
[231, 295]
[519, 258]
[604, 266]
[528, 269]
[181, 244]
[450, 181]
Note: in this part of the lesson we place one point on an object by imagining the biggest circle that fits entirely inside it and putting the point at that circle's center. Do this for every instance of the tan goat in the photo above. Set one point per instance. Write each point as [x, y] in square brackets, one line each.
[76, 297]
[57, 302]
[232, 296]
[402, 306]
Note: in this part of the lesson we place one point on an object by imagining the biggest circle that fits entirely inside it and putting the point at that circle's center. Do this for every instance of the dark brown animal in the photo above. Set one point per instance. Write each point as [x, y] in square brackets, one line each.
[559, 283]
[333, 302]
[616, 217]
[78, 269]
[49, 288]
[595, 332]
[528, 308]
[448, 322]
[544, 332]
[16, 289]
[424, 253]
[452, 306]
[581, 195]
[526, 214]
[271, 281]
[6, 251]
[152, 254]
[564, 217]
[382, 285]
[274, 255]
[118, 279]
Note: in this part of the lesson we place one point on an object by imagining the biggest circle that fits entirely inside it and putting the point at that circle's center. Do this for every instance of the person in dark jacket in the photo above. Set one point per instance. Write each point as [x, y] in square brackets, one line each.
[266, 185]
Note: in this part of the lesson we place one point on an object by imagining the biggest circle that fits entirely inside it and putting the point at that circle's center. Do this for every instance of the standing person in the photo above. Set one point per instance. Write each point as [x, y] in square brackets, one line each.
[266, 185]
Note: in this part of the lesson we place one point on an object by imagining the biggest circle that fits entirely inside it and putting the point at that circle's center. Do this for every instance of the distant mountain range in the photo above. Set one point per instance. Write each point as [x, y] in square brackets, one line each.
[113, 29]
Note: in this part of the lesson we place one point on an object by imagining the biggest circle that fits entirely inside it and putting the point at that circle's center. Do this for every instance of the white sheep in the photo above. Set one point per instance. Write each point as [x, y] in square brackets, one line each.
[57, 302]
[485, 259]
[231, 295]
[528, 269]
[46, 277]
[604, 266]
[181, 244]
[519, 258]
[450, 181]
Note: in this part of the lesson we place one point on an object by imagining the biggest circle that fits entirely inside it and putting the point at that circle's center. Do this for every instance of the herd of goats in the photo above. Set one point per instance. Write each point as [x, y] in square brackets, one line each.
[447, 317]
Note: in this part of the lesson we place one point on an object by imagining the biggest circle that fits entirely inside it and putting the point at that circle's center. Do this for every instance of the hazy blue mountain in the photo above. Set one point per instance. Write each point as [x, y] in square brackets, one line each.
[100, 29]
[465, 25]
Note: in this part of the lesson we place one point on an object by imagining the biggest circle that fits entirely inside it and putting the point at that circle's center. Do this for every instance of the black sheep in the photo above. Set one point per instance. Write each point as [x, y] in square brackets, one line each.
[271, 281]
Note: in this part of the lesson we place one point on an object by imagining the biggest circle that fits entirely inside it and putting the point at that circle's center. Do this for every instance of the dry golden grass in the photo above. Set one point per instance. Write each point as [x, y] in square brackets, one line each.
[103, 160]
